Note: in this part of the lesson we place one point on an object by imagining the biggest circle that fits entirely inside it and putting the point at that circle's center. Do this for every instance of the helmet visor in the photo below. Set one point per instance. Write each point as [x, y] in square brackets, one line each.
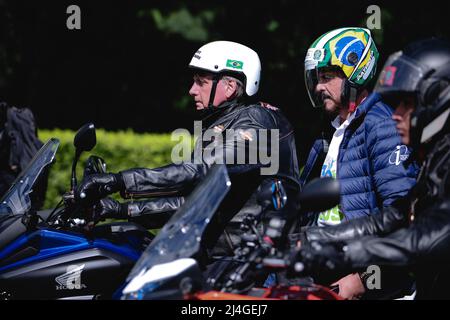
[400, 75]
[311, 81]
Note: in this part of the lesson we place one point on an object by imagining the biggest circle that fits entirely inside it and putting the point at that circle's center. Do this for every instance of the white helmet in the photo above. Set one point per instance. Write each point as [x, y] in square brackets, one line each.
[230, 57]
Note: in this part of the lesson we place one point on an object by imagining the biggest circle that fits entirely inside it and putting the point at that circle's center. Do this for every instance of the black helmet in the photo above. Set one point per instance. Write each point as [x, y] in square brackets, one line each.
[421, 70]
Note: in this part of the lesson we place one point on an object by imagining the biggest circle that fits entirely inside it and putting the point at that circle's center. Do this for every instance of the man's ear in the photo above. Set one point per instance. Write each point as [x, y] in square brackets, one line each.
[230, 89]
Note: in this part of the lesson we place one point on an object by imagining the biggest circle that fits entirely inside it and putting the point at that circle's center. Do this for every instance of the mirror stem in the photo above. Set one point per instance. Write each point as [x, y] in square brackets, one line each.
[73, 182]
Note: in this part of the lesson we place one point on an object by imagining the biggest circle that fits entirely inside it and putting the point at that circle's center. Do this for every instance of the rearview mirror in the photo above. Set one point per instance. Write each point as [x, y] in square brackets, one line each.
[85, 138]
[319, 195]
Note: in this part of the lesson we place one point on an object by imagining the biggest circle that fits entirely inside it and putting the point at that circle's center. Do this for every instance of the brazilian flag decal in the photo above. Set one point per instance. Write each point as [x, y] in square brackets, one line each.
[235, 64]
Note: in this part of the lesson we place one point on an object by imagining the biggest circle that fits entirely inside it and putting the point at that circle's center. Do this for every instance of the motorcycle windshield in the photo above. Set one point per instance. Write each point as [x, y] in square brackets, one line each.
[16, 200]
[182, 234]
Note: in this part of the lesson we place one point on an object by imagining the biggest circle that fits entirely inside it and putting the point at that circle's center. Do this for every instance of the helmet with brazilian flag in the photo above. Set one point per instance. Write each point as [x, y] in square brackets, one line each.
[353, 51]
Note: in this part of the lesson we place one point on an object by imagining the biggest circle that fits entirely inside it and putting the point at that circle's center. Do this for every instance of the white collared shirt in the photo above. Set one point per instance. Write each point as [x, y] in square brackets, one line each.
[334, 216]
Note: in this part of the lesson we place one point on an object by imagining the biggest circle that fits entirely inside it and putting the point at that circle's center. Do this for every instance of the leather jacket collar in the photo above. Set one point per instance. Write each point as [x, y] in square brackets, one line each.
[210, 116]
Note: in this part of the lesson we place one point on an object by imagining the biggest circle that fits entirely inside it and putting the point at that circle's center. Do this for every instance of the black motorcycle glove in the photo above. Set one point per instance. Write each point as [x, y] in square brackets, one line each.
[325, 261]
[108, 208]
[98, 186]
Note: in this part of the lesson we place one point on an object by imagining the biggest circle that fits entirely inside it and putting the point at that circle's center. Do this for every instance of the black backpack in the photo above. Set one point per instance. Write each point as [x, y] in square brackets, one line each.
[18, 142]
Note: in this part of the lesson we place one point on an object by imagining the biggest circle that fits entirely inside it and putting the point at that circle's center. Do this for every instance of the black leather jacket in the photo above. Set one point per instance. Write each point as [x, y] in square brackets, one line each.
[172, 182]
[422, 246]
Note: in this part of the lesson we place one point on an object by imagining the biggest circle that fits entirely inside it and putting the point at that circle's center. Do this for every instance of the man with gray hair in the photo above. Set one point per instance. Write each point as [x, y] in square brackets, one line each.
[225, 81]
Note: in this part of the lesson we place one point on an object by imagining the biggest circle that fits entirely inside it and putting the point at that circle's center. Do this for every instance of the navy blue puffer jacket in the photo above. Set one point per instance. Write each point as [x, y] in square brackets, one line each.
[372, 167]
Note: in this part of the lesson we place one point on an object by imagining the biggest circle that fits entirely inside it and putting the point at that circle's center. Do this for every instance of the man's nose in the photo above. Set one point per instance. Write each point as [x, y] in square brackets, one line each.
[320, 87]
[397, 117]
[193, 90]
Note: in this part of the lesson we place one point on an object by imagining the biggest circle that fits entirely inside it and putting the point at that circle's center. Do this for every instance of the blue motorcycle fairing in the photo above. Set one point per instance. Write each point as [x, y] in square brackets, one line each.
[54, 243]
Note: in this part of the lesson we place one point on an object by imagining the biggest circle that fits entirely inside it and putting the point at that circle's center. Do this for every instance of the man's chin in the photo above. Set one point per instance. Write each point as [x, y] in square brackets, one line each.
[330, 108]
[405, 140]
[404, 136]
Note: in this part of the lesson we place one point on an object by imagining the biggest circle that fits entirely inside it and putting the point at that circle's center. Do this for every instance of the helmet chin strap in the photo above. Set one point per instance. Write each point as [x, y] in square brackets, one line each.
[212, 95]
[352, 100]
[349, 94]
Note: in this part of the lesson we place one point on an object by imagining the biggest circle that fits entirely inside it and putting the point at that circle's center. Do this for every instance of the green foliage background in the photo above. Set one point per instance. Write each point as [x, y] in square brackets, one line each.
[121, 150]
